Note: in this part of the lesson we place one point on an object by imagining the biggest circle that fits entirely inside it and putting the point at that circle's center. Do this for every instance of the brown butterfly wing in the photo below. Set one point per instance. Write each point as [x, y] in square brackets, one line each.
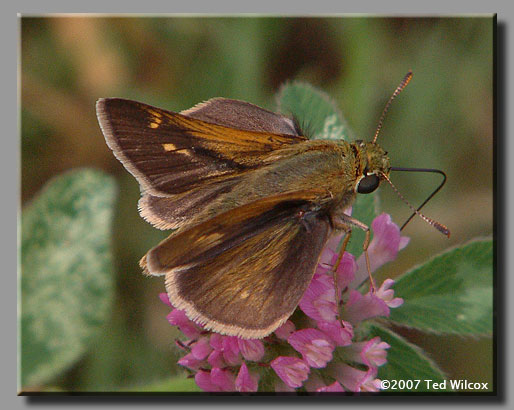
[170, 153]
[242, 115]
[182, 209]
[183, 161]
[244, 272]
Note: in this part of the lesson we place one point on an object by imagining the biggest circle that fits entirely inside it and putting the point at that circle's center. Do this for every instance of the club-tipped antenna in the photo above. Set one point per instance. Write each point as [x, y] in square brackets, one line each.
[440, 227]
[398, 90]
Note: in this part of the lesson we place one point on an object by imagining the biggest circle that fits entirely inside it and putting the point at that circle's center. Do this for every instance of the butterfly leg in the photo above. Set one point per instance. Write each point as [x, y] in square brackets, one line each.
[344, 222]
[338, 262]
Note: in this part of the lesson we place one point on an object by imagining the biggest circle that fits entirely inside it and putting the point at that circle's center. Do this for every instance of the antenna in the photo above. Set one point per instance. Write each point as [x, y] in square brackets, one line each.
[398, 90]
[440, 227]
[437, 171]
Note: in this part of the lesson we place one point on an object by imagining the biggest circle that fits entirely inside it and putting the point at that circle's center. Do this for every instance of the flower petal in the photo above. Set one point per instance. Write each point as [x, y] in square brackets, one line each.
[371, 353]
[334, 241]
[383, 248]
[326, 260]
[359, 307]
[251, 349]
[246, 381]
[292, 370]
[333, 388]
[372, 385]
[318, 301]
[216, 341]
[190, 362]
[178, 318]
[223, 378]
[203, 380]
[215, 359]
[201, 348]
[346, 271]
[315, 347]
[341, 335]
[353, 379]
[165, 299]
[285, 330]
[387, 295]
[230, 348]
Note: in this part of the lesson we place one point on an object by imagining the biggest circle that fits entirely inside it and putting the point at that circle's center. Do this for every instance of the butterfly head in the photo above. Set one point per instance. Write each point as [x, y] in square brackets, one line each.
[373, 165]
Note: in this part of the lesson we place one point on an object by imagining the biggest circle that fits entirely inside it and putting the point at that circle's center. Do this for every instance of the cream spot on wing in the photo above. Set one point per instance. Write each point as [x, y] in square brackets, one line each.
[244, 294]
[168, 146]
[155, 114]
[156, 120]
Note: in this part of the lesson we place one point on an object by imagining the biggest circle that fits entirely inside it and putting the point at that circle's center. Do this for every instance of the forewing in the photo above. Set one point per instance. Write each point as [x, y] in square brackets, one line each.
[244, 272]
[243, 116]
[171, 153]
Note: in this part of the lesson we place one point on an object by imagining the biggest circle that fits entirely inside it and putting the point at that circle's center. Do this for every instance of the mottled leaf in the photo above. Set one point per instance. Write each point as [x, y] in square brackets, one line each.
[66, 272]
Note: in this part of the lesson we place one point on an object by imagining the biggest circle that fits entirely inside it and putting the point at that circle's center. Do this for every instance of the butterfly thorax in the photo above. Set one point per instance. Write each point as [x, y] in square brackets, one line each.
[331, 166]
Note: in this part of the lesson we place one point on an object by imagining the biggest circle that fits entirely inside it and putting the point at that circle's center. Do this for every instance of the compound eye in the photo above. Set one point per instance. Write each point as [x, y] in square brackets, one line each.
[368, 184]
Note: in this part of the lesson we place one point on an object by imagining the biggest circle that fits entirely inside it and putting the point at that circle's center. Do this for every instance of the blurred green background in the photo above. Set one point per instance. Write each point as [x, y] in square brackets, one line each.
[444, 119]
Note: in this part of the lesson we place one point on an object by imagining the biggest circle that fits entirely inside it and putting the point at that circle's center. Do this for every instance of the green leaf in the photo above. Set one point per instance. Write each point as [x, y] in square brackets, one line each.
[66, 272]
[315, 112]
[407, 362]
[451, 293]
[172, 385]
